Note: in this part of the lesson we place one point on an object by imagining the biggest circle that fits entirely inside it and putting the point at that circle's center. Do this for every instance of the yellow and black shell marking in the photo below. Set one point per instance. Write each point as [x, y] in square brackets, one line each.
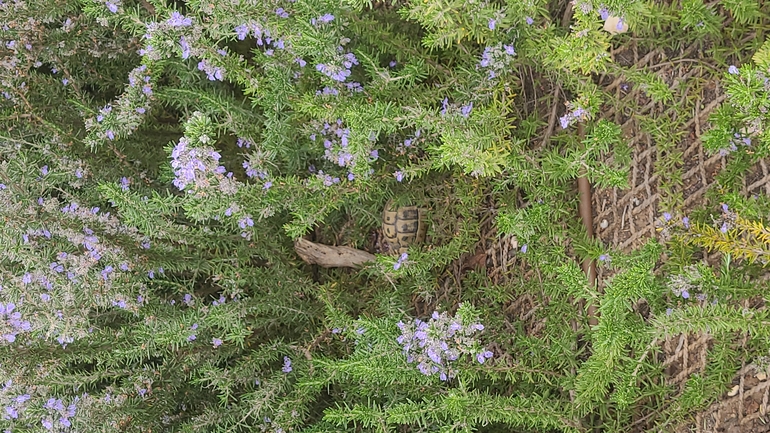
[403, 226]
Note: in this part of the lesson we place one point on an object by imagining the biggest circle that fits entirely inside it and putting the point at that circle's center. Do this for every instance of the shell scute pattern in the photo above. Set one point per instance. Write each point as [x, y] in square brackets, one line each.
[403, 226]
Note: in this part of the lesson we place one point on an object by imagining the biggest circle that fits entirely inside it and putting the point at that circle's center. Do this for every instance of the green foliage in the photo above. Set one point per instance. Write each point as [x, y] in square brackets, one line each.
[589, 158]
[699, 20]
[618, 334]
[155, 173]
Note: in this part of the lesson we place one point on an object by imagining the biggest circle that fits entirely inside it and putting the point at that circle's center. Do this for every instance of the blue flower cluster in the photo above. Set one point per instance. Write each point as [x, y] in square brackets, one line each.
[410, 142]
[17, 404]
[253, 163]
[328, 180]
[192, 165]
[212, 72]
[253, 172]
[281, 13]
[574, 114]
[12, 323]
[178, 20]
[737, 140]
[286, 365]
[690, 280]
[337, 72]
[496, 59]
[464, 111]
[112, 5]
[131, 108]
[434, 345]
[683, 284]
[323, 19]
[728, 220]
[336, 141]
[58, 413]
[327, 91]
[262, 35]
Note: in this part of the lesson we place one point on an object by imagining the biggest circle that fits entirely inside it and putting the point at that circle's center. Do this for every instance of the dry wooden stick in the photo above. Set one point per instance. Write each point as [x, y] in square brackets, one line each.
[551, 118]
[586, 215]
[328, 256]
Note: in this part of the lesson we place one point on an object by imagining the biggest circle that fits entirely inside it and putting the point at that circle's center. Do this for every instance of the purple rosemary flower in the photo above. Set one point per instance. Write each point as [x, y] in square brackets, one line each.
[178, 20]
[465, 110]
[435, 344]
[286, 365]
[185, 47]
[444, 106]
[242, 31]
[400, 261]
[245, 221]
[213, 73]
[483, 356]
[486, 58]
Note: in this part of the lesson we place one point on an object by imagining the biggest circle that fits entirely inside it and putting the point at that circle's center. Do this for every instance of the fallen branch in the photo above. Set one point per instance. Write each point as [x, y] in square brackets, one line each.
[330, 256]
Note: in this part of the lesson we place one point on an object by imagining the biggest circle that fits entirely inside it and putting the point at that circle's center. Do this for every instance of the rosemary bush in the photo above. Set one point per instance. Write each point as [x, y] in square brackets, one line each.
[158, 159]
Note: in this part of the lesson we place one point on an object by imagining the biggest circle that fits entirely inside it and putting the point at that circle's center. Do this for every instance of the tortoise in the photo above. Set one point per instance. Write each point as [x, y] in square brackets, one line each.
[403, 226]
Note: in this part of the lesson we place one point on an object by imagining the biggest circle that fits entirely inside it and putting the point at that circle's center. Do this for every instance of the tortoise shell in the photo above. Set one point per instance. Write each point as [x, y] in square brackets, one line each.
[403, 226]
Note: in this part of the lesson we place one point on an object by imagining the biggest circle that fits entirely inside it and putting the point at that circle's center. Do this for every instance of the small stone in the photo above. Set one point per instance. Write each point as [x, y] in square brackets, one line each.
[604, 224]
[733, 392]
[761, 376]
